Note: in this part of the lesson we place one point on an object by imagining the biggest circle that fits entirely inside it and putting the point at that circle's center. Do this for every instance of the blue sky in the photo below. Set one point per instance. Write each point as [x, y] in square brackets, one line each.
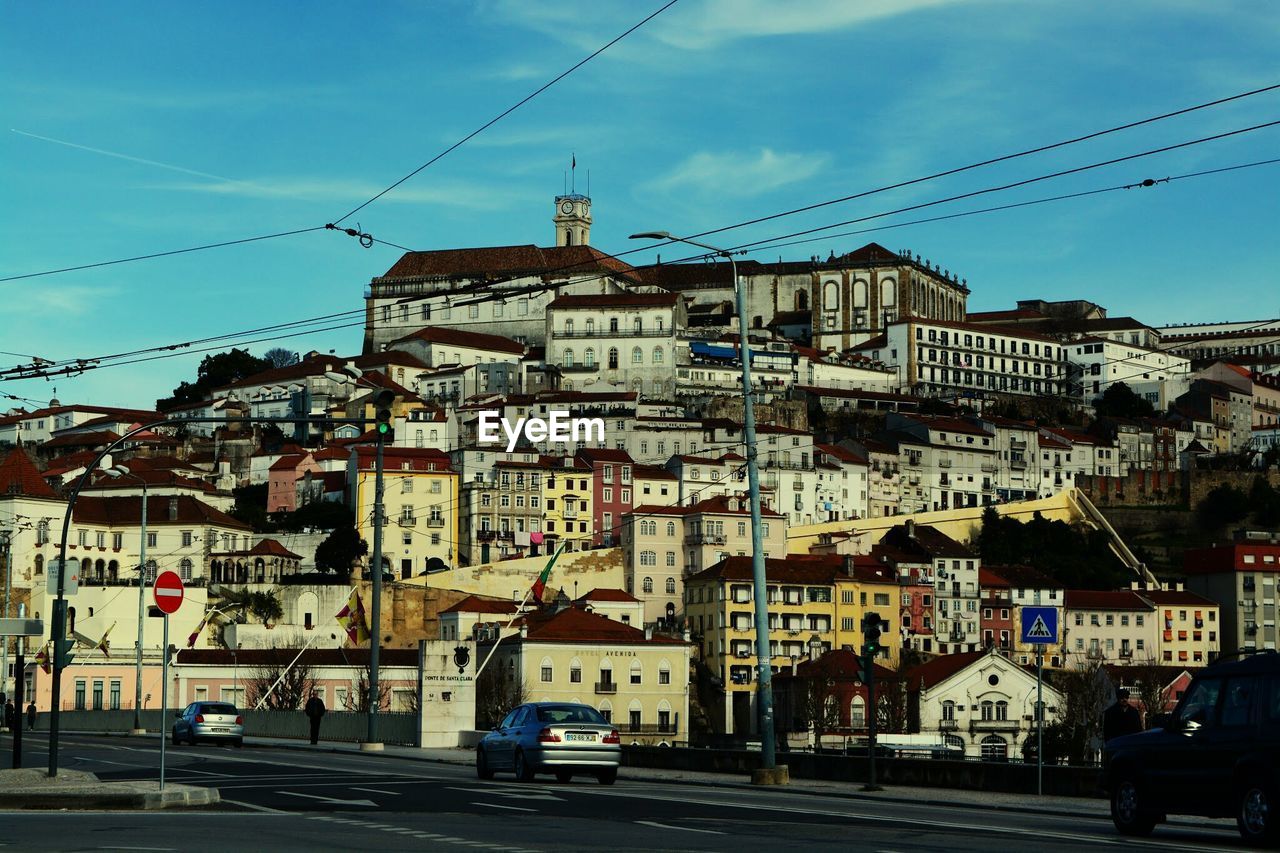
[217, 122]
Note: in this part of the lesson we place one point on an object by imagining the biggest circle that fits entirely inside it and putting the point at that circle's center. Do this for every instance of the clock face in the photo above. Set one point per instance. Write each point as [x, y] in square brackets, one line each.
[566, 207]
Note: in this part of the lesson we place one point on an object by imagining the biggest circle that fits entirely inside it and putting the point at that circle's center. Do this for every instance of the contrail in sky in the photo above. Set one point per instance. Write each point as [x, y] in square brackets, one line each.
[119, 156]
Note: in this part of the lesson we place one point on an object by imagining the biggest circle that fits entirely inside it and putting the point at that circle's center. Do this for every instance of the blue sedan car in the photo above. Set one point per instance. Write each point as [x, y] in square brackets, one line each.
[563, 738]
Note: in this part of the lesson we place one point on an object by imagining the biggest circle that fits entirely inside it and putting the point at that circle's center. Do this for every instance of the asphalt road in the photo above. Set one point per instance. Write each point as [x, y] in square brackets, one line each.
[284, 799]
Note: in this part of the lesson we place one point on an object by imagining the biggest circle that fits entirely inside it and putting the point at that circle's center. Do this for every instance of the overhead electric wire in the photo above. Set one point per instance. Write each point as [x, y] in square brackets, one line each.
[517, 105]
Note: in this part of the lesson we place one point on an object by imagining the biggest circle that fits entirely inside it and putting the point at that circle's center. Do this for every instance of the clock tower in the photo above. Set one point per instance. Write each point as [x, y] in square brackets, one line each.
[573, 220]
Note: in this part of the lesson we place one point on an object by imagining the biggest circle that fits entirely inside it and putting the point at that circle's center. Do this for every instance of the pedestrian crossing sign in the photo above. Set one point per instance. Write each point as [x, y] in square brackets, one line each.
[1040, 625]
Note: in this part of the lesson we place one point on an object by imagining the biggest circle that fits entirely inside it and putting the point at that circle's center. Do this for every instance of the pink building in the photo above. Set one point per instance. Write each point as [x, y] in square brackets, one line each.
[282, 479]
[612, 491]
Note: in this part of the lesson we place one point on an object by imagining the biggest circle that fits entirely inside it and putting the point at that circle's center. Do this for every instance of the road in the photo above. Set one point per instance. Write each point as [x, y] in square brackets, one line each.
[284, 799]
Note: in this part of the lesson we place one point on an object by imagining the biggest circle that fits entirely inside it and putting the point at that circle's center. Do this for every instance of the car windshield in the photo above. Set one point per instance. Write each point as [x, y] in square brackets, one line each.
[217, 708]
[569, 714]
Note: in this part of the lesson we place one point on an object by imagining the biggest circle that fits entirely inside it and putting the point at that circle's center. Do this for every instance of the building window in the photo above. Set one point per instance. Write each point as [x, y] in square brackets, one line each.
[637, 355]
[647, 585]
[637, 673]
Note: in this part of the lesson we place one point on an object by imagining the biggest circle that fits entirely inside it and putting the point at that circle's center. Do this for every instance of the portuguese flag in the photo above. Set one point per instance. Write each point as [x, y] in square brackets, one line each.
[540, 585]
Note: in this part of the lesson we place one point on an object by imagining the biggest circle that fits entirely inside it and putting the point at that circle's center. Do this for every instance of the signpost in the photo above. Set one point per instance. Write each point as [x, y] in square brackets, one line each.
[168, 592]
[20, 628]
[1039, 628]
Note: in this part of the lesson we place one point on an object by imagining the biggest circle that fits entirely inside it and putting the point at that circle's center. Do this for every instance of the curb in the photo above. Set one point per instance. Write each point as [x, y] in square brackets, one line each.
[82, 800]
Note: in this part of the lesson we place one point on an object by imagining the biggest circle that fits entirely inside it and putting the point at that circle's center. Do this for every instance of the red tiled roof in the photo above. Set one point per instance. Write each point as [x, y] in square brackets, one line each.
[718, 505]
[393, 459]
[615, 300]
[938, 670]
[983, 328]
[19, 475]
[459, 338]
[609, 595]
[844, 454]
[604, 454]
[837, 663]
[97, 438]
[344, 657]
[652, 472]
[272, 548]
[482, 604]
[579, 626]
[736, 568]
[1176, 597]
[127, 511]
[1021, 577]
[927, 539]
[1089, 599]
[511, 261]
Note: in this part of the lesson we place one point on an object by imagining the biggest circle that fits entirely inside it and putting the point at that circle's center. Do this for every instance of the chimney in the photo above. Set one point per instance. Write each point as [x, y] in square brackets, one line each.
[911, 528]
[173, 509]
[648, 632]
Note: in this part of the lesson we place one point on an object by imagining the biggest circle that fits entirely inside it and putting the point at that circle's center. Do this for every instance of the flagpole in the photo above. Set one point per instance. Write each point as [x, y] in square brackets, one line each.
[545, 572]
[267, 695]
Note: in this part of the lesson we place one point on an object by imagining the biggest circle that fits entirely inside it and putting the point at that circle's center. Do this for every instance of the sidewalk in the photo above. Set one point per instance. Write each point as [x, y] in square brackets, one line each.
[31, 788]
[1025, 803]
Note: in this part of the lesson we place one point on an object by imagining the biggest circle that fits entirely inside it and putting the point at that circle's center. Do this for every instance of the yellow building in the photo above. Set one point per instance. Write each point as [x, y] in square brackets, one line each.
[420, 505]
[867, 586]
[567, 506]
[1187, 626]
[638, 680]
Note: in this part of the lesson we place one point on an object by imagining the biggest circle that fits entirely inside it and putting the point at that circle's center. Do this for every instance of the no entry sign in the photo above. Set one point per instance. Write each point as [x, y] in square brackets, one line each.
[168, 592]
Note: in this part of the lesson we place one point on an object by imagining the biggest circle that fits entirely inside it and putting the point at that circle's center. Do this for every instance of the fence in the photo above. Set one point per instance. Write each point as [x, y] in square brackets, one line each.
[394, 728]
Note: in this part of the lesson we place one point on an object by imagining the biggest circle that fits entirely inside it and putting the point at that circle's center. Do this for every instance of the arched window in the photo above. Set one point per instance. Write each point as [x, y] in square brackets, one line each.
[858, 713]
[994, 748]
[859, 294]
[635, 715]
[39, 564]
[606, 710]
[988, 710]
[888, 293]
[184, 570]
[637, 672]
[671, 528]
[591, 326]
[575, 671]
[671, 586]
[151, 571]
[638, 325]
[568, 358]
[568, 328]
[613, 358]
[647, 585]
[802, 300]
[545, 671]
[1002, 710]
[42, 532]
[589, 358]
[613, 325]
[948, 710]
[637, 355]
[657, 355]
[664, 671]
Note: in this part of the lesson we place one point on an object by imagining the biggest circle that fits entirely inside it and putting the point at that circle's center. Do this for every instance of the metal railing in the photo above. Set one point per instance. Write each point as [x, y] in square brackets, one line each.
[606, 687]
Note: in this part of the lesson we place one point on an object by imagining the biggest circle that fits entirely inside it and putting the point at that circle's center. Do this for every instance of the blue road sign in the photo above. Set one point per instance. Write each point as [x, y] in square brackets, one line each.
[1040, 625]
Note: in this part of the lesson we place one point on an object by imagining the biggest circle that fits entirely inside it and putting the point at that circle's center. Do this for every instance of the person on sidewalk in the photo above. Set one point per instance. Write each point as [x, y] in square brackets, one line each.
[1121, 718]
[10, 715]
[31, 716]
[315, 710]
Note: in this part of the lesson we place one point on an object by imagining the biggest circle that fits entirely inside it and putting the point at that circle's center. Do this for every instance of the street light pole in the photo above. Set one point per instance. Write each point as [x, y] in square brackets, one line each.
[764, 665]
[5, 550]
[123, 471]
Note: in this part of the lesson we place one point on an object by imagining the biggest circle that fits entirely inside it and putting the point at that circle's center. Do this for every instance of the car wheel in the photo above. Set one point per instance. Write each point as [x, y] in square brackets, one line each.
[1127, 810]
[482, 765]
[563, 776]
[608, 777]
[1253, 816]
[524, 773]
[176, 741]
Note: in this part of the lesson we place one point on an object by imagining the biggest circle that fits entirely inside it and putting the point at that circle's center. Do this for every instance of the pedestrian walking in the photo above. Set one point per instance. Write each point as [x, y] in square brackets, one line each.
[315, 710]
[10, 715]
[1121, 718]
[31, 716]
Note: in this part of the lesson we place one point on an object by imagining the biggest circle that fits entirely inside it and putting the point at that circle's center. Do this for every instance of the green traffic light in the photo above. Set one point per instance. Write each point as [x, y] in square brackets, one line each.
[384, 428]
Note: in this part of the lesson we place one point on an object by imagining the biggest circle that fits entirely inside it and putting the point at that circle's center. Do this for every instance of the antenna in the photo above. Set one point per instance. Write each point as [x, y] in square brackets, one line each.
[566, 183]
[588, 183]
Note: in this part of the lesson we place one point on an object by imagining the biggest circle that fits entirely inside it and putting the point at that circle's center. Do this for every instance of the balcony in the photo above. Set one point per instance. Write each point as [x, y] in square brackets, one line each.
[435, 522]
[704, 539]
[944, 463]
[570, 514]
[406, 521]
[949, 725]
[612, 333]
[988, 467]
[606, 687]
[1020, 464]
[486, 535]
[993, 726]
[1126, 653]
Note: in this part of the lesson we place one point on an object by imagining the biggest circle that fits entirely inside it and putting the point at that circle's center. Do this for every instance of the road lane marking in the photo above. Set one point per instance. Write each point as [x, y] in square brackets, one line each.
[654, 823]
[376, 791]
[508, 808]
[333, 800]
[514, 795]
[254, 807]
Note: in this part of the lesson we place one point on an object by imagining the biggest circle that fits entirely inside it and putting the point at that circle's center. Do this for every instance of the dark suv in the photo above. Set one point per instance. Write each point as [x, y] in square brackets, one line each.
[1216, 755]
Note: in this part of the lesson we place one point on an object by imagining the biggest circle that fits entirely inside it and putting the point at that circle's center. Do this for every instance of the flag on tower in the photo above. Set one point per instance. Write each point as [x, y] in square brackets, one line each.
[351, 618]
[574, 163]
[540, 585]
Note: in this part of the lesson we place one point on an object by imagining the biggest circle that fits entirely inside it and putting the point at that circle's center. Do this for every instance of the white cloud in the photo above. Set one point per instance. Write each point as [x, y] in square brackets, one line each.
[58, 300]
[470, 197]
[741, 174]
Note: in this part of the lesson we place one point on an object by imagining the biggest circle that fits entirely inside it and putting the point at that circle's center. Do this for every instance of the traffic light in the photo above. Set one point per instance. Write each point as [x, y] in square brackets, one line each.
[62, 655]
[382, 402]
[871, 645]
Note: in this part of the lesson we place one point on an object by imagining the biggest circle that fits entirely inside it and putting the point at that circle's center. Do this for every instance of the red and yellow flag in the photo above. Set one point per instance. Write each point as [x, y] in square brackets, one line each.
[352, 619]
[104, 645]
[195, 635]
[42, 658]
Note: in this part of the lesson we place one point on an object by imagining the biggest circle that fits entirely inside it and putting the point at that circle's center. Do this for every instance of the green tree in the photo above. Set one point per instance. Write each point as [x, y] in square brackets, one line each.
[251, 507]
[1224, 505]
[215, 371]
[265, 607]
[1266, 502]
[1079, 557]
[1119, 401]
[342, 547]
[280, 357]
[318, 515]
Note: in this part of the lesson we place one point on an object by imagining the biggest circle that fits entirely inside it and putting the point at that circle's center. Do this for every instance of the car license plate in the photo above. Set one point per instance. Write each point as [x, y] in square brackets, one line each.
[216, 729]
[579, 736]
